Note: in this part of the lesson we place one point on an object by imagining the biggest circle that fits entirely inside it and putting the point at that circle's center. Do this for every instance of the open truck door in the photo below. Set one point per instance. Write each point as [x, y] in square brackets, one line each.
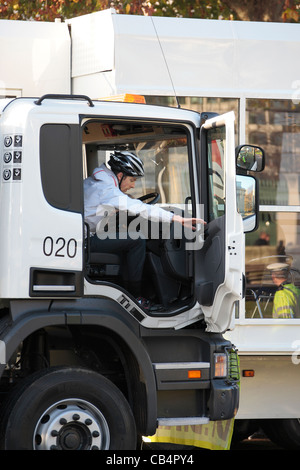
[219, 279]
[229, 196]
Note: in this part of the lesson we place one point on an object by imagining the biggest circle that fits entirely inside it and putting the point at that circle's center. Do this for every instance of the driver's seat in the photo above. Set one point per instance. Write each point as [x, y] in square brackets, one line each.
[103, 265]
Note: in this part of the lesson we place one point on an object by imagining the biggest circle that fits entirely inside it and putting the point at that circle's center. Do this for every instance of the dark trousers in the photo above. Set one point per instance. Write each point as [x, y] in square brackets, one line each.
[133, 253]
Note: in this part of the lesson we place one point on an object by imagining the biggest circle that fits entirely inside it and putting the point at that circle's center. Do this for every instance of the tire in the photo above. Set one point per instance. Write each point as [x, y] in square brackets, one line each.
[68, 409]
[283, 432]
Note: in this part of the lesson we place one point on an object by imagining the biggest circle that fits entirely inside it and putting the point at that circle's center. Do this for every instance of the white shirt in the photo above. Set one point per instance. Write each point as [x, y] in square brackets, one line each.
[102, 195]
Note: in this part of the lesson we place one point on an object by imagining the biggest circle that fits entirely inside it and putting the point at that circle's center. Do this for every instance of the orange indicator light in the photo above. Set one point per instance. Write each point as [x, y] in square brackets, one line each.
[194, 374]
[126, 98]
[248, 373]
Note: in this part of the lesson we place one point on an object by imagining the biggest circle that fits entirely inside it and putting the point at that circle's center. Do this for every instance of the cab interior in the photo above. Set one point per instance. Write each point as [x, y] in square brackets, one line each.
[164, 150]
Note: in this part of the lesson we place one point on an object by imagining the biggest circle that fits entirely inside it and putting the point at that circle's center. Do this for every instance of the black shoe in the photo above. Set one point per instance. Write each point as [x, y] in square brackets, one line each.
[148, 305]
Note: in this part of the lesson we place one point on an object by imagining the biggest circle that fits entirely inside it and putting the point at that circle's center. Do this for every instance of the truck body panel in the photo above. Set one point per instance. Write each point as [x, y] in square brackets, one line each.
[208, 50]
[36, 58]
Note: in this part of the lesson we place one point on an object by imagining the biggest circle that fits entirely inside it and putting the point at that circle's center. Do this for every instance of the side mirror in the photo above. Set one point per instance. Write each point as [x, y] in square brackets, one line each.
[250, 158]
[247, 201]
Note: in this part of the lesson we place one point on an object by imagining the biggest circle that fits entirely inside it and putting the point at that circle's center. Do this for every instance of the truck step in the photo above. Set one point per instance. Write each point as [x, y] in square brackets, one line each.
[183, 421]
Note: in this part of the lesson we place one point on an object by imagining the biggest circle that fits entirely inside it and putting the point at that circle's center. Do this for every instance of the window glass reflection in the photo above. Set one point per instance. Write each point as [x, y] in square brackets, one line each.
[216, 146]
[273, 267]
[201, 104]
[275, 125]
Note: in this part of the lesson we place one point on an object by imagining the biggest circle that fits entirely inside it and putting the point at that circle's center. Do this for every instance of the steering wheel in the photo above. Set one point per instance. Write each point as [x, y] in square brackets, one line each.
[155, 197]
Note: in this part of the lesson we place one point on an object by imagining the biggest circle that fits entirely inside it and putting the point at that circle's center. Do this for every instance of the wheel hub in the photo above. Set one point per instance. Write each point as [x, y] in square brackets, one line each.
[72, 425]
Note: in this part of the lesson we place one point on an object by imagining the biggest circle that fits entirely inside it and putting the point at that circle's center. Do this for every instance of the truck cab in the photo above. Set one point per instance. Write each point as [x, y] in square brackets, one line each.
[67, 319]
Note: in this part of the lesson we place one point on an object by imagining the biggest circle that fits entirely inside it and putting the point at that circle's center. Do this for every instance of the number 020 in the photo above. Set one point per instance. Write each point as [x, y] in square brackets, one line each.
[60, 248]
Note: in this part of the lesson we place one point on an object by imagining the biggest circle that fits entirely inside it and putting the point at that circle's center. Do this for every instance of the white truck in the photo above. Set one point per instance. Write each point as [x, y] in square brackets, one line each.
[83, 365]
[208, 66]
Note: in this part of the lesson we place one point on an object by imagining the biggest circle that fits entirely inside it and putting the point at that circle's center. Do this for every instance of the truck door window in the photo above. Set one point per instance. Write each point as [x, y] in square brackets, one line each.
[163, 150]
[216, 171]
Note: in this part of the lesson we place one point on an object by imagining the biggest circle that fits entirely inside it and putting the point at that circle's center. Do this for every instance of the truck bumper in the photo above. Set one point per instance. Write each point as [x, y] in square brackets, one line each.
[224, 400]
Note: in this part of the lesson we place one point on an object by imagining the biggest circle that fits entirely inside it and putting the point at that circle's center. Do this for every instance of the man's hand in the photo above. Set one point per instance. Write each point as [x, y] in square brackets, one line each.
[188, 222]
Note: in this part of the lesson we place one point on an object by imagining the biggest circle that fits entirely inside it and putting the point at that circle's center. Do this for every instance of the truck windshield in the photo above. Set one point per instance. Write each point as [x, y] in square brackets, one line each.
[216, 171]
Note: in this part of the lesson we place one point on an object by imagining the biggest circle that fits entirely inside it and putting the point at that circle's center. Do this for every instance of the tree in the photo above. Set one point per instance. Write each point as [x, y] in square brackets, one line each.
[266, 10]
[212, 9]
[251, 10]
[48, 10]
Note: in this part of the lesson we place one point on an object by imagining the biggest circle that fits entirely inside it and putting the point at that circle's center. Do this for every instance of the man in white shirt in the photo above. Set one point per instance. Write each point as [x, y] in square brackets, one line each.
[104, 192]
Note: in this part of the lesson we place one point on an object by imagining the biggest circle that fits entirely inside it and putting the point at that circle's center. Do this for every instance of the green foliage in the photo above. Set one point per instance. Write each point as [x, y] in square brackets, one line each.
[213, 9]
[48, 10]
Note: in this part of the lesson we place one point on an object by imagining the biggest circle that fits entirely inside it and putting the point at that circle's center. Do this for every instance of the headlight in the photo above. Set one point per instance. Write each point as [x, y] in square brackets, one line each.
[220, 360]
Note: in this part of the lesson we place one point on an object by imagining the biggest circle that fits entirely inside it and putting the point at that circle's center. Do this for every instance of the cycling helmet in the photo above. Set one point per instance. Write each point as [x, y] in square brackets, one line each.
[127, 163]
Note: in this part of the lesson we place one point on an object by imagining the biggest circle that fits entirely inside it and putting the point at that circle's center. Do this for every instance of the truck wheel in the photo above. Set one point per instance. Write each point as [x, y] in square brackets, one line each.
[283, 432]
[68, 409]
